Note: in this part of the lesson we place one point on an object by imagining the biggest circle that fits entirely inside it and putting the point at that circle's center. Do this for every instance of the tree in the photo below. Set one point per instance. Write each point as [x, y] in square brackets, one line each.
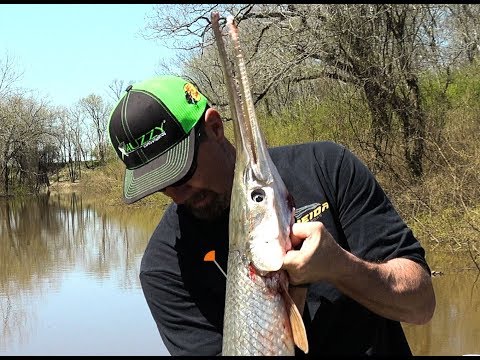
[97, 112]
[117, 87]
[465, 24]
[9, 75]
[26, 136]
[379, 48]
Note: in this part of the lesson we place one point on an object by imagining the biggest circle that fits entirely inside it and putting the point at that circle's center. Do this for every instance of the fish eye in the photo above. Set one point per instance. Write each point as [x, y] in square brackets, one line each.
[258, 195]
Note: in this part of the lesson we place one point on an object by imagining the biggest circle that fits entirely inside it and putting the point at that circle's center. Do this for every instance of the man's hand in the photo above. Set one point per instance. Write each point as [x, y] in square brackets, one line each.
[315, 259]
[399, 289]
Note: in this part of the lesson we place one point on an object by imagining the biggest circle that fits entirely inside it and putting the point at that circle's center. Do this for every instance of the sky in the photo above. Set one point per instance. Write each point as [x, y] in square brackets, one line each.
[69, 51]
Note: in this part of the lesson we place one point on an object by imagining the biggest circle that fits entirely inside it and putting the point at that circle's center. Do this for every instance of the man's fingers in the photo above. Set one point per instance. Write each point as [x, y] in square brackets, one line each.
[303, 230]
[289, 258]
[305, 236]
[300, 260]
[298, 235]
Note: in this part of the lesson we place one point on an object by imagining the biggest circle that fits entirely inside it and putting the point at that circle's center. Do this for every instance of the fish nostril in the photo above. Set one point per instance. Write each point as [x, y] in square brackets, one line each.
[258, 195]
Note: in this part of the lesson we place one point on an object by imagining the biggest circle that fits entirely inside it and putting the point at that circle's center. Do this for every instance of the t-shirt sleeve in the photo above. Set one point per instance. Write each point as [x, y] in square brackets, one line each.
[373, 228]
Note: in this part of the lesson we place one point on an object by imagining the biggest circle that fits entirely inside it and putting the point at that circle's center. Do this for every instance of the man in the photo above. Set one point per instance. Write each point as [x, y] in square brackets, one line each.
[364, 269]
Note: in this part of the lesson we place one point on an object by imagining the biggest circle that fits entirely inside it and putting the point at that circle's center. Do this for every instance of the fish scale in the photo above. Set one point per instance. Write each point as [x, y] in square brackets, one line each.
[257, 318]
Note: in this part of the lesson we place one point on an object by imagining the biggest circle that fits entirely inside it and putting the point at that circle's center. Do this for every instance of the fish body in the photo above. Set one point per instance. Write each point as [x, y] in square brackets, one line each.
[256, 321]
[260, 316]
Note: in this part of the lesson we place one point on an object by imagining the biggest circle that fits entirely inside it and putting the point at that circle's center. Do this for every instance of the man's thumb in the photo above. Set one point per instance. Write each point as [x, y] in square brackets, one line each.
[289, 260]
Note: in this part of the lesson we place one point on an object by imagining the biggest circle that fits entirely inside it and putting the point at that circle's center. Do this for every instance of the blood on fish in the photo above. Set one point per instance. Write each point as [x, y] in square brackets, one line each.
[251, 272]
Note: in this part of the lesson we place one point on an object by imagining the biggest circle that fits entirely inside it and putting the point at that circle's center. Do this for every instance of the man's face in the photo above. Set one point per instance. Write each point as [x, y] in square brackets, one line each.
[207, 193]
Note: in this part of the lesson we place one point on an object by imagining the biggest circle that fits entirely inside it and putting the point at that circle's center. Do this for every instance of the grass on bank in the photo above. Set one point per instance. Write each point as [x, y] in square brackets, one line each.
[105, 185]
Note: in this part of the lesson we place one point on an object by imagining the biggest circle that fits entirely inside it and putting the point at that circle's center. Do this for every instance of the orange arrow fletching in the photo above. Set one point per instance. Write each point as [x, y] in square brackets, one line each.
[210, 256]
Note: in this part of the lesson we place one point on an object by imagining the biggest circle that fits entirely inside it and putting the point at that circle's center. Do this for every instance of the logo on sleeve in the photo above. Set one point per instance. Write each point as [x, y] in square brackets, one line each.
[312, 212]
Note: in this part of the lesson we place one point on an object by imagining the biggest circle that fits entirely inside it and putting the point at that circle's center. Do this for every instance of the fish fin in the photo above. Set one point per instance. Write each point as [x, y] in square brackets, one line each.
[298, 295]
[296, 321]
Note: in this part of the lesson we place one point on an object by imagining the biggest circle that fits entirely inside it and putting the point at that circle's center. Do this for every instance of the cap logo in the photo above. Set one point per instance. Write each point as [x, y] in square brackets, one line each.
[191, 93]
[143, 141]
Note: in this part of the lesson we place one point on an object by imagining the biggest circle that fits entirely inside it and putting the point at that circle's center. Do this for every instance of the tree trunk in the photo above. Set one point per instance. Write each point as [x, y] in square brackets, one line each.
[5, 179]
[410, 112]
[378, 103]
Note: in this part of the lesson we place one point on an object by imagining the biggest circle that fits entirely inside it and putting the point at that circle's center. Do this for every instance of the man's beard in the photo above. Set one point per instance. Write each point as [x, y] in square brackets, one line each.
[213, 209]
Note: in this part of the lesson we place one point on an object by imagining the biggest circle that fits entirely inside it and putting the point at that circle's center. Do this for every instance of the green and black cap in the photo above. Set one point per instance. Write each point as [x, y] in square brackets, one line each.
[151, 129]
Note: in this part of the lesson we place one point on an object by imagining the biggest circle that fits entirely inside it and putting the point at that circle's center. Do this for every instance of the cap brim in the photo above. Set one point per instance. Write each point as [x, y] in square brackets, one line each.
[160, 172]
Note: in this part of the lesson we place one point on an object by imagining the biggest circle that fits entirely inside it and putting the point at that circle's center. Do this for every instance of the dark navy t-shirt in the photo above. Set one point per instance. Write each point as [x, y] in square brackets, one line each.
[186, 294]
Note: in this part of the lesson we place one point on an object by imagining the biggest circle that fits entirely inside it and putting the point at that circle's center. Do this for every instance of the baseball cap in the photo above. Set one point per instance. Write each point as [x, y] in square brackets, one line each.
[152, 130]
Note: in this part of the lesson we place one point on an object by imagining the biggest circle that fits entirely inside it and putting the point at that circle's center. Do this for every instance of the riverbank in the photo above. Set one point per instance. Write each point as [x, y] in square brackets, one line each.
[103, 184]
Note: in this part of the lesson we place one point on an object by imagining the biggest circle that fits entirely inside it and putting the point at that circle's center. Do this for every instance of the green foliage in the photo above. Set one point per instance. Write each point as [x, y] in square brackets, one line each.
[450, 229]
[20, 190]
[449, 95]
[340, 116]
[465, 89]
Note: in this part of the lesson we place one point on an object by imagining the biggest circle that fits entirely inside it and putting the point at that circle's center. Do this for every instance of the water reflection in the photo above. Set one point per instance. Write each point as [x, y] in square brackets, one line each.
[455, 327]
[69, 284]
[52, 243]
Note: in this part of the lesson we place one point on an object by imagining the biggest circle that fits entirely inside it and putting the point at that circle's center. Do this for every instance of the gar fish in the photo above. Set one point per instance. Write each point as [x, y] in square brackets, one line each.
[260, 316]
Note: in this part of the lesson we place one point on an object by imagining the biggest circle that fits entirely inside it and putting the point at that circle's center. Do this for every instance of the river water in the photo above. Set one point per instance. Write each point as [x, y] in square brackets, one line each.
[69, 284]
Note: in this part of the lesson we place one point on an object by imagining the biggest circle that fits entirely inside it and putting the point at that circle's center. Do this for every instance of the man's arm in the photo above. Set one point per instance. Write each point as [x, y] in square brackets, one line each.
[379, 262]
[398, 289]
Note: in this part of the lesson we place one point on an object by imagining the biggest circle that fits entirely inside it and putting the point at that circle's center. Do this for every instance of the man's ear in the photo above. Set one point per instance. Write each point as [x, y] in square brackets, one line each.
[214, 123]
